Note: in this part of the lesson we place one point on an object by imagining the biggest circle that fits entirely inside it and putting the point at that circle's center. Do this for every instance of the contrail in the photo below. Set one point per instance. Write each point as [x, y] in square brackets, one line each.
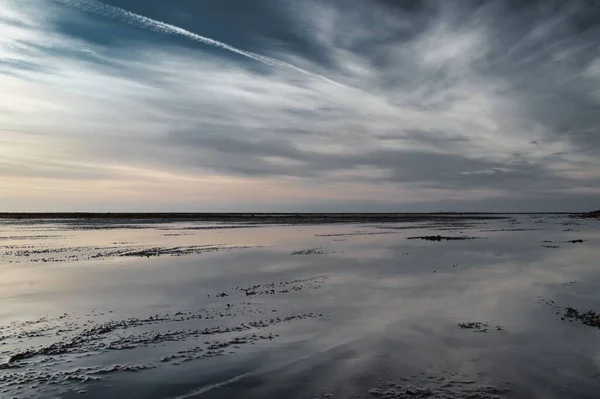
[131, 18]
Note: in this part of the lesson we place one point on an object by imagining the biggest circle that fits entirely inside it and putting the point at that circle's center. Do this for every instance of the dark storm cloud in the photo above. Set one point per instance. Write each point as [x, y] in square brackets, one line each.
[501, 96]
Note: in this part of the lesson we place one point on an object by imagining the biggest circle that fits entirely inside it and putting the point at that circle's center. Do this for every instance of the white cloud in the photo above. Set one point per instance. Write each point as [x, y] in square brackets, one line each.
[148, 112]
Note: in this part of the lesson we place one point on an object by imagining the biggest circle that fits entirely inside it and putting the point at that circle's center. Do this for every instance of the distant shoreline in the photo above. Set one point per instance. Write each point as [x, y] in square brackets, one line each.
[258, 217]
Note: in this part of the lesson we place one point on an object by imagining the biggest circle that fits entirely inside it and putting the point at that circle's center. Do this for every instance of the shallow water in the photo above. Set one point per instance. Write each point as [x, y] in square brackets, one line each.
[210, 310]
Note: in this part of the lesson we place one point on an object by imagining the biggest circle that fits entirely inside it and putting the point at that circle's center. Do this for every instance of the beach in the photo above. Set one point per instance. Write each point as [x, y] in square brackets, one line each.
[291, 306]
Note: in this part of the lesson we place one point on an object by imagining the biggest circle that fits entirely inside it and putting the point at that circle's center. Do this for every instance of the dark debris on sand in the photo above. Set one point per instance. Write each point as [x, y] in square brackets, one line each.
[553, 244]
[442, 238]
[216, 331]
[441, 389]
[477, 326]
[588, 318]
[283, 287]
[589, 215]
[309, 251]
[30, 254]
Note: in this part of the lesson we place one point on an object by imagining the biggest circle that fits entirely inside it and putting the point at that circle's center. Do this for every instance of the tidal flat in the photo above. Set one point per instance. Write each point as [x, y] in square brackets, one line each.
[300, 306]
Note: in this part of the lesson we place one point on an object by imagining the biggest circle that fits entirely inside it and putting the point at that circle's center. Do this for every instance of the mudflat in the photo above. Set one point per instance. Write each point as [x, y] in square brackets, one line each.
[299, 305]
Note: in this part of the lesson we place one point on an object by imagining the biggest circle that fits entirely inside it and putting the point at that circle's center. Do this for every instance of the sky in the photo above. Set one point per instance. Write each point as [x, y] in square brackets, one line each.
[306, 106]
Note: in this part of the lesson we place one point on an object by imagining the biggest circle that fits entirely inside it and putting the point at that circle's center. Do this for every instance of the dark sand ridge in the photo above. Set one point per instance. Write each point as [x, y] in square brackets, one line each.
[259, 218]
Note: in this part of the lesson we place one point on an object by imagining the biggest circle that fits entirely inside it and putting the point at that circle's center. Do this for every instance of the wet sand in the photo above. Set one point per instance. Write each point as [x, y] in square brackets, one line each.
[300, 306]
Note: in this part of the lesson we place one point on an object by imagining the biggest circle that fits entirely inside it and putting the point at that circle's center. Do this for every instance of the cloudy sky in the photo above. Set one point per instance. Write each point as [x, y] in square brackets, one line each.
[287, 105]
